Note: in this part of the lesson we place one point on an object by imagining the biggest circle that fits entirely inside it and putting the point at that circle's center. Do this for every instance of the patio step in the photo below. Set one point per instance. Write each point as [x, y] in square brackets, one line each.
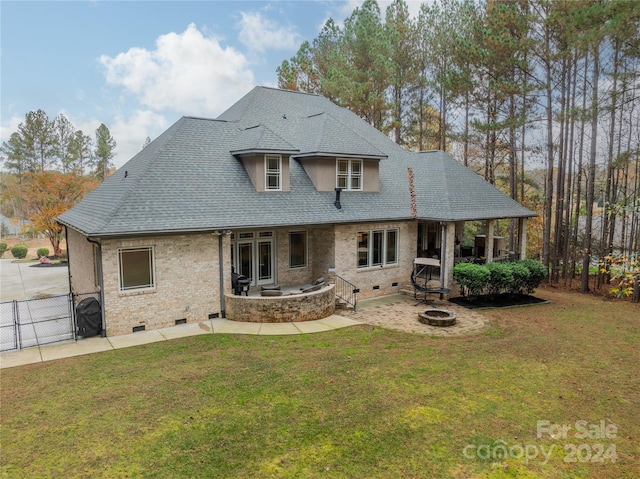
[342, 304]
[406, 289]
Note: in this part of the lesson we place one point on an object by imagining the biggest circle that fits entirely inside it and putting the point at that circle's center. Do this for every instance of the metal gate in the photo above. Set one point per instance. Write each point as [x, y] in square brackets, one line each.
[34, 322]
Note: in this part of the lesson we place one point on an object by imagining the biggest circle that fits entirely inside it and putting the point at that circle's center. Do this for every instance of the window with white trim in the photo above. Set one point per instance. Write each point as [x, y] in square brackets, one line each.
[349, 174]
[273, 172]
[136, 267]
[297, 249]
[377, 248]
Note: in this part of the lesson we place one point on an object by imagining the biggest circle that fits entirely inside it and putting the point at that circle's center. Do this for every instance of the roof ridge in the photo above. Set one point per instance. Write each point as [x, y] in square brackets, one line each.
[285, 90]
[358, 134]
[205, 118]
[147, 165]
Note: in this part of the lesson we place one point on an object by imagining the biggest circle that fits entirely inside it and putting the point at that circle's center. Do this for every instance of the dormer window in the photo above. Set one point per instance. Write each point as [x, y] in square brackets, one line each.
[273, 172]
[349, 174]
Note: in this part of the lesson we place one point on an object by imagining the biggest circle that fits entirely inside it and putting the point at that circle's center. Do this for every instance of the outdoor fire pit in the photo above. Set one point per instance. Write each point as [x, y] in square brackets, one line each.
[437, 317]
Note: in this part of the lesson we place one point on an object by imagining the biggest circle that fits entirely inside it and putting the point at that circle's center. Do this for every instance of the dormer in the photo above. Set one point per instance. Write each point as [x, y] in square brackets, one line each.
[336, 156]
[340, 171]
[265, 157]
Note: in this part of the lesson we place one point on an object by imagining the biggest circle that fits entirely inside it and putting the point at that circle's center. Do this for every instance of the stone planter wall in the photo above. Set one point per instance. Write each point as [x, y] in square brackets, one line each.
[281, 309]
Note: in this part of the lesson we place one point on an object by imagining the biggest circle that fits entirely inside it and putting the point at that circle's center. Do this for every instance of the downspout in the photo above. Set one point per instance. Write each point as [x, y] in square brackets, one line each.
[443, 255]
[103, 332]
[73, 314]
[223, 314]
[66, 235]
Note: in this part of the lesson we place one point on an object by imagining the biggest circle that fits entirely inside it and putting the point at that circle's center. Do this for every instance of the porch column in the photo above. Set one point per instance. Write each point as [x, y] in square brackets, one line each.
[448, 255]
[522, 246]
[488, 242]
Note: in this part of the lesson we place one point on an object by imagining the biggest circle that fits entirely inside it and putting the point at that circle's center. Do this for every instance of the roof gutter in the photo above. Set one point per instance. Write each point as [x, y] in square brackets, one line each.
[317, 154]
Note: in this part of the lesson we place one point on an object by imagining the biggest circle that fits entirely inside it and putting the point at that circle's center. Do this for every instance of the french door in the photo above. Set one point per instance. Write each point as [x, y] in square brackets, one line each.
[253, 255]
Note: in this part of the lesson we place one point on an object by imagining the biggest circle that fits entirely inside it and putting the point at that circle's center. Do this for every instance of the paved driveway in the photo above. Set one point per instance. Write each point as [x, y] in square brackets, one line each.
[24, 281]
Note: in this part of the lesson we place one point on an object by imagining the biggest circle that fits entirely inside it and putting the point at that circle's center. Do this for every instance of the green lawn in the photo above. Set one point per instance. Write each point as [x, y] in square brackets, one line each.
[361, 402]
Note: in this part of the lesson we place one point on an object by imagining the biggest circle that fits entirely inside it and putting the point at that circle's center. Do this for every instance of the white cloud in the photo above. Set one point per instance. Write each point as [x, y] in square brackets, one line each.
[260, 33]
[10, 127]
[131, 133]
[187, 73]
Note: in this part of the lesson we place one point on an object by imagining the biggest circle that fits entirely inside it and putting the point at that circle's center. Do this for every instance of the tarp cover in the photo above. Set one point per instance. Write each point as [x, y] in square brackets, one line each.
[89, 317]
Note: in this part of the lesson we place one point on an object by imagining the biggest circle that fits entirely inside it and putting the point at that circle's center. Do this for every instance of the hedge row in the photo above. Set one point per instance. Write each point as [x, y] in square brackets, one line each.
[517, 277]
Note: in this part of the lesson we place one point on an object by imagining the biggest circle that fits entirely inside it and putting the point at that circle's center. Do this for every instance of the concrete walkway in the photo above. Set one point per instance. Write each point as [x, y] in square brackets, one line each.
[68, 349]
[395, 311]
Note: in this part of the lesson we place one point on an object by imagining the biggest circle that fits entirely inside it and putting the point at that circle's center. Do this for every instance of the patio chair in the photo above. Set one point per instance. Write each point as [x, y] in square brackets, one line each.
[318, 282]
[270, 292]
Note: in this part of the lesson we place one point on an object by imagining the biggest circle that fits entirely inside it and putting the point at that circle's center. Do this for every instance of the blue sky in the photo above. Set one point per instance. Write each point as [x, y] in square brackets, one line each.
[138, 66]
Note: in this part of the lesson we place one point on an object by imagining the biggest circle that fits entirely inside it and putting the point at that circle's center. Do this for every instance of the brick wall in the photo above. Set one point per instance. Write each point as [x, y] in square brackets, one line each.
[187, 271]
[186, 282]
[384, 277]
[81, 263]
[320, 255]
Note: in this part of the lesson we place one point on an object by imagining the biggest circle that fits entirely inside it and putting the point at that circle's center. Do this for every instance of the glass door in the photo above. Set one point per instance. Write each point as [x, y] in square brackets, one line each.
[253, 255]
[265, 261]
[244, 263]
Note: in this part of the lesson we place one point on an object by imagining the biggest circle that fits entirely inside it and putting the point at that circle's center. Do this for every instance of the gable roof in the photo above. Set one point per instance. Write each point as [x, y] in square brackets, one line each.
[188, 179]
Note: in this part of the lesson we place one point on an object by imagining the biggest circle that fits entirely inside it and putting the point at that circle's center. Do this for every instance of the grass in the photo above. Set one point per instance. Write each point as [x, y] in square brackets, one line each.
[362, 402]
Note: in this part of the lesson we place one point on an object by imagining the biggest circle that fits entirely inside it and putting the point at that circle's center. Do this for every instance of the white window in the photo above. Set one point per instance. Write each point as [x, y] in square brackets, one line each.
[377, 248]
[136, 267]
[349, 174]
[273, 172]
[297, 249]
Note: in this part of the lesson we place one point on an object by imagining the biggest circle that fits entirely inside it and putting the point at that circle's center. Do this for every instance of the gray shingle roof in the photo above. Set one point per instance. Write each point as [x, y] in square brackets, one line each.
[188, 180]
[260, 138]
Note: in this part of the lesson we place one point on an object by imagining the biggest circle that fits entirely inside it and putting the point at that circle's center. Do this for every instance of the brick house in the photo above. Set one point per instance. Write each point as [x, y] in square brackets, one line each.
[283, 187]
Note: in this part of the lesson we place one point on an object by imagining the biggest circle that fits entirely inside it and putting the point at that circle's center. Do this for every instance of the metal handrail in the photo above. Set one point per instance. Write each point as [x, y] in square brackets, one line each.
[346, 291]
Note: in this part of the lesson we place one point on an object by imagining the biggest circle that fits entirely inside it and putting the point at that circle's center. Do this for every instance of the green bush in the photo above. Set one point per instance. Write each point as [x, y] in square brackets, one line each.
[42, 252]
[501, 277]
[472, 278]
[3, 248]
[19, 251]
[537, 275]
[518, 277]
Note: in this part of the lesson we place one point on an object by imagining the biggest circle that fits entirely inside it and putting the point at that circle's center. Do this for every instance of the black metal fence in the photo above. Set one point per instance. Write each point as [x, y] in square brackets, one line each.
[34, 322]
[346, 291]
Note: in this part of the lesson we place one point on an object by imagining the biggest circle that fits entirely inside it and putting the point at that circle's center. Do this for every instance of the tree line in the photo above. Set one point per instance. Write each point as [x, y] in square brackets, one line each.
[541, 97]
[49, 165]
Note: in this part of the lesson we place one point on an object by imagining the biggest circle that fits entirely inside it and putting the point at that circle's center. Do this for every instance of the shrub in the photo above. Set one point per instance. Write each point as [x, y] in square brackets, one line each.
[472, 278]
[19, 251]
[625, 270]
[520, 279]
[3, 248]
[501, 277]
[537, 275]
[42, 252]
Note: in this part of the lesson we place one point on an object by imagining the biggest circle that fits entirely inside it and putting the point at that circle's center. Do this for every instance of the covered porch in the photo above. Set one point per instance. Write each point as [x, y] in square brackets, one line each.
[443, 244]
